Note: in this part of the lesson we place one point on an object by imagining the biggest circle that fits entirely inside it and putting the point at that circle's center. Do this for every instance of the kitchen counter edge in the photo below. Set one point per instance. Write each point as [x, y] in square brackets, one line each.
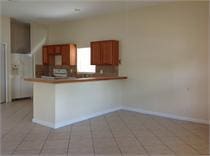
[57, 81]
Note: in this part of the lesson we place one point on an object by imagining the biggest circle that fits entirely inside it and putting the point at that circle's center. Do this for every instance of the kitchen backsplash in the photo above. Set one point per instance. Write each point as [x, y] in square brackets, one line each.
[106, 70]
[45, 70]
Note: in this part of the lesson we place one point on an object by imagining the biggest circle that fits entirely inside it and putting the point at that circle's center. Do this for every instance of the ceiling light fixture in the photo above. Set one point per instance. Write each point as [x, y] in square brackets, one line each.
[77, 10]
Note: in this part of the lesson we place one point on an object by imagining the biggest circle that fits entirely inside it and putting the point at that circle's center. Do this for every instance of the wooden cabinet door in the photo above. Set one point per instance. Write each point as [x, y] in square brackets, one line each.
[65, 54]
[106, 52]
[51, 59]
[115, 52]
[57, 49]
[45, 56]
[73, 54]
[48, 55]
[51, 50]
[51, 55]
[95, 53]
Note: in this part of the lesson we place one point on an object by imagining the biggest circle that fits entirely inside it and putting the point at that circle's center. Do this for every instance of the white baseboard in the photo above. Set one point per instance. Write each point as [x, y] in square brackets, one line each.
[44, 123]
[86, 117]
[166, 115]
[65, 123]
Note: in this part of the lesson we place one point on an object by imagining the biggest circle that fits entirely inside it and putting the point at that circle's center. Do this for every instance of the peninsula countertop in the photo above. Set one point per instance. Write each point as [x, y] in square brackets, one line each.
[74, 80]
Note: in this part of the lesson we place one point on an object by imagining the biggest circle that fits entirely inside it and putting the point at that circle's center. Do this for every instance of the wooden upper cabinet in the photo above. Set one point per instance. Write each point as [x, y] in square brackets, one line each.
[115, 53]
[73, 54]
[57, 50]
[48, 55]
[51, 59]
[45, 55]
[105, 52]
[65, 55]
[68, 54]
[95, 53]
[51, 50]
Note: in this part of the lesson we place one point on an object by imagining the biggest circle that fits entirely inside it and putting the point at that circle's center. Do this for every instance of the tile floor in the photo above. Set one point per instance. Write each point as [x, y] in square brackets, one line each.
[118, 133]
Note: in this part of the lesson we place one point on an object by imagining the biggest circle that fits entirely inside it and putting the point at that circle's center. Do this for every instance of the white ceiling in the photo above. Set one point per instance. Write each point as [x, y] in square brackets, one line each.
[64, 10]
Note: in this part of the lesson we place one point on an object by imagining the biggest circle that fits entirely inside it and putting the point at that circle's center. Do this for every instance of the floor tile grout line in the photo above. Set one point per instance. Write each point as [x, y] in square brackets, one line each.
[19, 110]
[176, 134]
[160, 139]
[133, 134]
[23, 136]
[69, 140]
[91, 132]
[179, 136]
[50, 130]
[113, 135]
[14, 126]
[152, 117]
[23, 139]
[22, 119]
[188, 130]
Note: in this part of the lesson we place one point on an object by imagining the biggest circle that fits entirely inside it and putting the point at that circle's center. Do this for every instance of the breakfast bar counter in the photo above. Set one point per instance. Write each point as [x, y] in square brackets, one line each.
[60, 102]
[74, 79]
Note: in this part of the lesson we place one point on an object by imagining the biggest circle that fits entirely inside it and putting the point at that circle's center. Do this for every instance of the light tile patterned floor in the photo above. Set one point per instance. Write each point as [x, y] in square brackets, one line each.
[118, 133]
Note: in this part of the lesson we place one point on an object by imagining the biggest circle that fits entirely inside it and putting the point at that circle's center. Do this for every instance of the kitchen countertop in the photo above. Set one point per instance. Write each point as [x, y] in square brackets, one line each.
[74, 80]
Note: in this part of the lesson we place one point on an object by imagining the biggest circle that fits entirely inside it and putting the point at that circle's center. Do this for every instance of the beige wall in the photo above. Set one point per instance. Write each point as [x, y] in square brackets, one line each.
[167, 62]
[39, 34]
[163, 51]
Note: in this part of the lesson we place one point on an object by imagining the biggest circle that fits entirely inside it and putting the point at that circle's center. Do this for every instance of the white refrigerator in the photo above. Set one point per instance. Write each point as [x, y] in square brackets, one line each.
[2, 73]
[21, 68]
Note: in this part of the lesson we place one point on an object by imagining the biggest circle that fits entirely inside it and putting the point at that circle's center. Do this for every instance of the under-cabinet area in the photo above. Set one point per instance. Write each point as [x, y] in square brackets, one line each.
[102, 56]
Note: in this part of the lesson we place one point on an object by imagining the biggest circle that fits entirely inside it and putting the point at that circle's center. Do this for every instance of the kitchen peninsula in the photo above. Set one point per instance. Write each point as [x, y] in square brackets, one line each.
[59, 102]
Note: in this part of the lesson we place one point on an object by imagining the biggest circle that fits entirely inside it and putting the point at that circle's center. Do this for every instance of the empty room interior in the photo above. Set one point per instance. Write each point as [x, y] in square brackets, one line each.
[104, 78]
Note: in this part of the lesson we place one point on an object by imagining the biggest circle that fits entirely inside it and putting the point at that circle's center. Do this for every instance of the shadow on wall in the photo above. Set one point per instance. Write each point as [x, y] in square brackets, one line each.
[39, 45]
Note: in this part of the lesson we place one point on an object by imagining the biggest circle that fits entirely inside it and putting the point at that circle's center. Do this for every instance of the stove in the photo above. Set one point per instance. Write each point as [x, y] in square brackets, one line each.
[60, 73]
